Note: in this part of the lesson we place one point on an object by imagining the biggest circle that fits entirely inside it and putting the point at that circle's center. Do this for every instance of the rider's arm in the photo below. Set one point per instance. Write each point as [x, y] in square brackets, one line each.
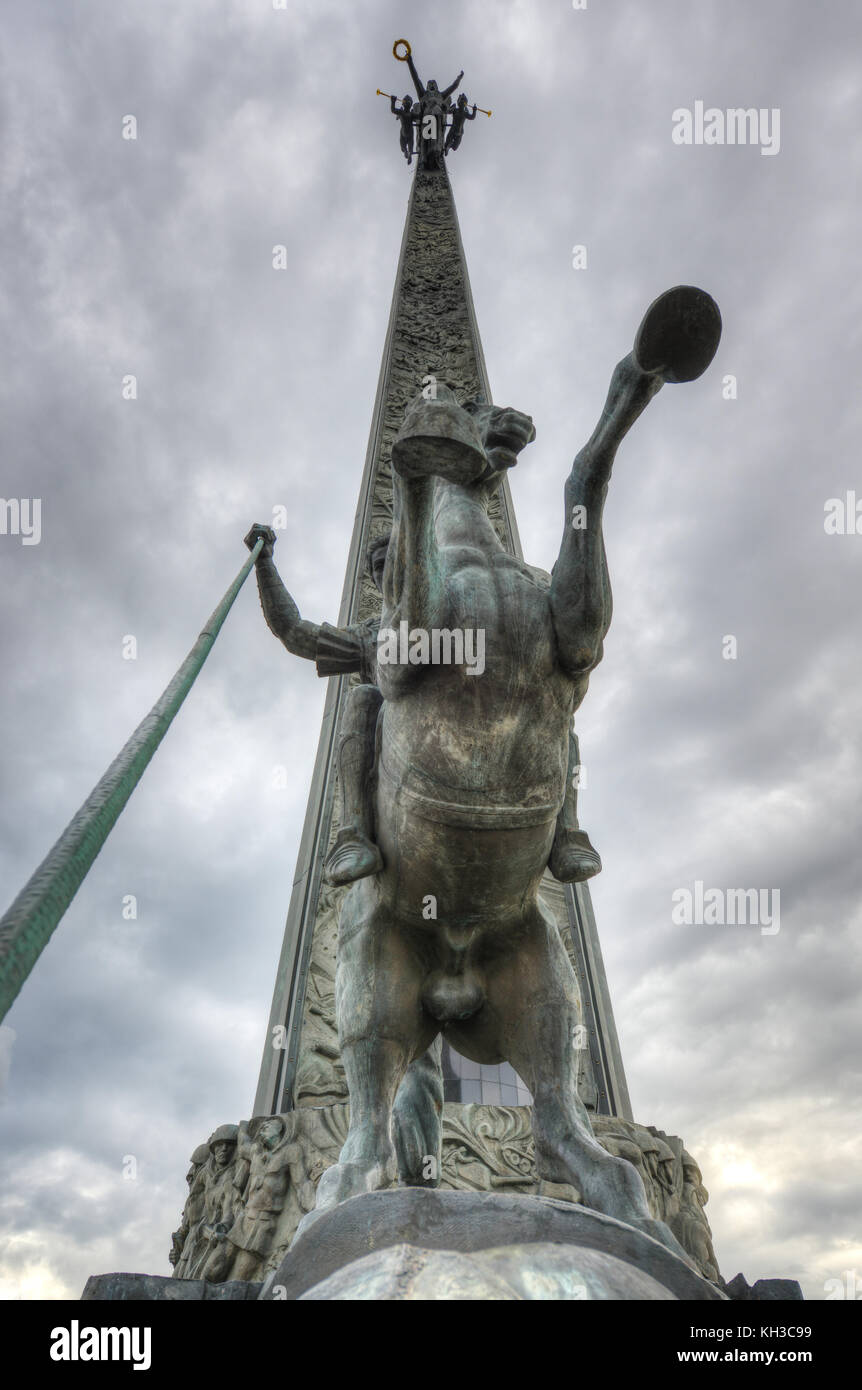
[336, 651]
[281, 613]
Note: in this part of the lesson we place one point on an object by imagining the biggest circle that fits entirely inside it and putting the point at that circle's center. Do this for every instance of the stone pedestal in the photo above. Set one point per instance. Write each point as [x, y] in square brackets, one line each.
[487, 1150]
[416, 1243]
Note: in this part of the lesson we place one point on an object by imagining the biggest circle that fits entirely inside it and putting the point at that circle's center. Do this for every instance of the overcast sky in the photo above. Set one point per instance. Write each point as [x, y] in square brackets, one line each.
[153, 257]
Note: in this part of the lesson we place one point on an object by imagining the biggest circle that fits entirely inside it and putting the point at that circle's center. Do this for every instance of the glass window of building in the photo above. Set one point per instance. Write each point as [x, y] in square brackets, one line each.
[465, 1081]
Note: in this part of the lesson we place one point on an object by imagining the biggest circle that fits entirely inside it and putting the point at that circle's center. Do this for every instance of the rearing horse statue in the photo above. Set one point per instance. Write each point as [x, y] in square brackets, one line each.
[451, 936]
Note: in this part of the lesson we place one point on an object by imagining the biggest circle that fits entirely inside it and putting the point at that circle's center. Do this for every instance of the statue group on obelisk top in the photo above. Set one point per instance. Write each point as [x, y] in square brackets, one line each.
[437, 122]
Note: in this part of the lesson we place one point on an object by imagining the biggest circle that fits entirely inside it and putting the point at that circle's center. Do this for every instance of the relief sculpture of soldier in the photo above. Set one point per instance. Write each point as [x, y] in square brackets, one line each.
[221, 1202]
[472, 774]
[188, 1240]
[269, 1165]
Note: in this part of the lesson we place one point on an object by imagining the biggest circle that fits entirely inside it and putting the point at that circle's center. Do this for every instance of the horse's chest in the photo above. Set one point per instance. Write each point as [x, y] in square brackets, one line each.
[510, 609]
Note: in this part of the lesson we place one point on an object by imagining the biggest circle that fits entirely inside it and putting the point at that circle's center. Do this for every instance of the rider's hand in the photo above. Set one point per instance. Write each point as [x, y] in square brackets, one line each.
[254, 536]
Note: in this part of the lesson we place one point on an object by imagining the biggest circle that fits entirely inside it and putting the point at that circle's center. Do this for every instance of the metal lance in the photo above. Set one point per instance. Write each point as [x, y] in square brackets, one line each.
[26, 928]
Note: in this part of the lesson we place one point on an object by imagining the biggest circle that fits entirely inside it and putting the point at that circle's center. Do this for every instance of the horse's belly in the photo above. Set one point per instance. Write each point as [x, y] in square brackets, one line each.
[475, 756]
[457, 881]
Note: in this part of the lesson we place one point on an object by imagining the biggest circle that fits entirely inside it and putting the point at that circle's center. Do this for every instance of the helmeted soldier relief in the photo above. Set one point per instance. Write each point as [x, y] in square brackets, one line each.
[221, 1200]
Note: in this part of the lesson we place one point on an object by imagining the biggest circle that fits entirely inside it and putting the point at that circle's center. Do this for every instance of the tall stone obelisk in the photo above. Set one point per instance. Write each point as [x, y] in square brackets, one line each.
[432, 336]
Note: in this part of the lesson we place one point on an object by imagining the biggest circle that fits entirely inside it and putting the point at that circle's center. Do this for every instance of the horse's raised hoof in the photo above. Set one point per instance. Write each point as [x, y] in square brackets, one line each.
[353, 856]
[573, 859]
[679, 335]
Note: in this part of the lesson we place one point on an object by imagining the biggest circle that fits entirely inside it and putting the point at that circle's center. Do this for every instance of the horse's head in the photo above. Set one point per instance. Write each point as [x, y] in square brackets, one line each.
[472, 445]
[504, 432]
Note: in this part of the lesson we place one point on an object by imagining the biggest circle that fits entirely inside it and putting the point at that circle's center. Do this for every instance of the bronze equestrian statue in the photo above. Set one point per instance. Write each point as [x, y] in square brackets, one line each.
[451, 936]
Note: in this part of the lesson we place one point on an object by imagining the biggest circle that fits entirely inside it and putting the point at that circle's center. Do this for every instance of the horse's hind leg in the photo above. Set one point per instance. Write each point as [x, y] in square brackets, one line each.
[417, 1120]
[382, 1027]
[536, 996]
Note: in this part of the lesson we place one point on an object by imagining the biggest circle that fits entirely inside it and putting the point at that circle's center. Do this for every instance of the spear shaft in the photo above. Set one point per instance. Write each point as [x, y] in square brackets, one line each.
[27, 927]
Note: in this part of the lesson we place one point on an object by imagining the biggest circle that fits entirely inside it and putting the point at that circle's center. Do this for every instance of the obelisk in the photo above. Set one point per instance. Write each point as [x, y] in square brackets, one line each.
[432, 337]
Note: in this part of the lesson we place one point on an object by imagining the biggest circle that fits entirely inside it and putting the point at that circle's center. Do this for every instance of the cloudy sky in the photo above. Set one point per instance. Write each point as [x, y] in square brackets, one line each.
[153, 258]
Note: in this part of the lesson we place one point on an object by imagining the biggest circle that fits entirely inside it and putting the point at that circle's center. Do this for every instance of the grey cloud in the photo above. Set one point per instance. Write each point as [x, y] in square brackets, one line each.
[255, 388]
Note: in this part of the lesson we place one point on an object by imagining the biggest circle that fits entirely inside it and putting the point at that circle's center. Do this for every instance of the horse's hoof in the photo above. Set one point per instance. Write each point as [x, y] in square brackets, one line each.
[344, 1180]
[679, 335]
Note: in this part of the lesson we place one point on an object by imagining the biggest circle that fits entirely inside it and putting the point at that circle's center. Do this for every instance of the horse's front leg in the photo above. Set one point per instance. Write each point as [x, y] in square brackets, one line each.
[412, 578]
[413, 583]
[580, 588]
[382, 1028]
[676, 342]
